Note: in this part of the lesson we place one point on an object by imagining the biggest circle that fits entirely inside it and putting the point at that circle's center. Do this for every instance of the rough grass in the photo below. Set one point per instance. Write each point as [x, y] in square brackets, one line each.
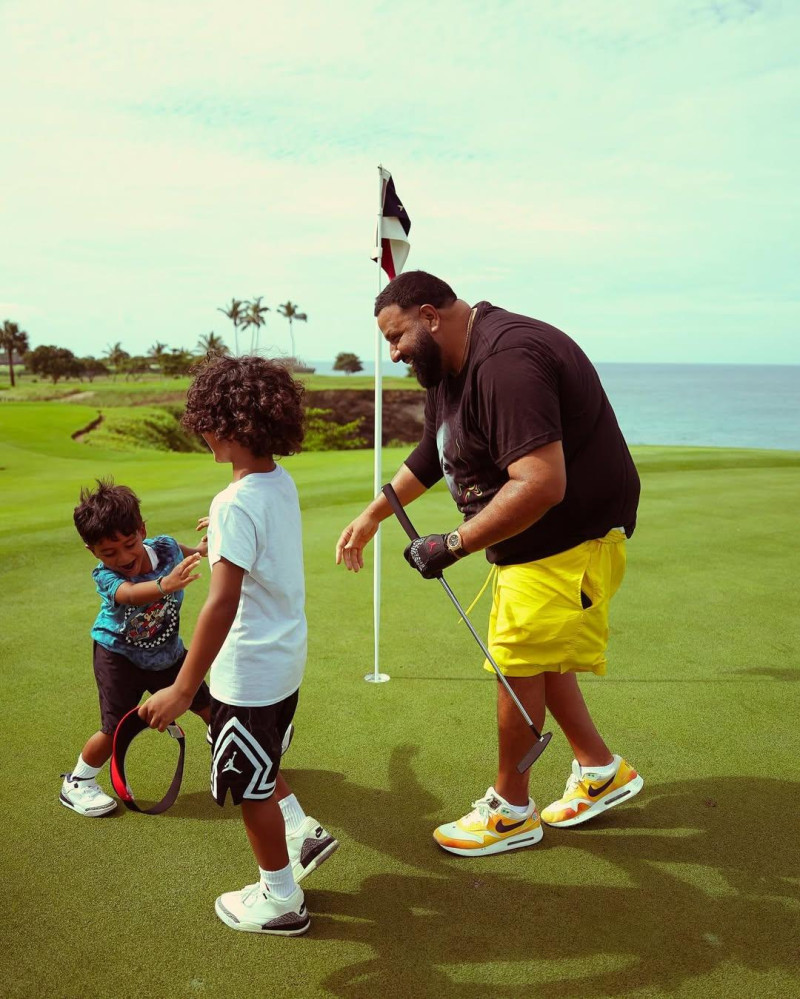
[690, 891]
[126, 428]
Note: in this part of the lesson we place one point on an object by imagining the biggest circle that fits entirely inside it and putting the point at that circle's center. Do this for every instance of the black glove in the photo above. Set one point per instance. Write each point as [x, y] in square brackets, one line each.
[430, 555]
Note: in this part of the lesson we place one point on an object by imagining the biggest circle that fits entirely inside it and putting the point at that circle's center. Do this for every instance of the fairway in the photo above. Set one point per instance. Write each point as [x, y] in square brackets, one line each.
[692, 890]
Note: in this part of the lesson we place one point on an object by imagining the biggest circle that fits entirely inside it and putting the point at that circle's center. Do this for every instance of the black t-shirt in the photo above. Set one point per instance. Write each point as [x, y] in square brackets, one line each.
[527, 384]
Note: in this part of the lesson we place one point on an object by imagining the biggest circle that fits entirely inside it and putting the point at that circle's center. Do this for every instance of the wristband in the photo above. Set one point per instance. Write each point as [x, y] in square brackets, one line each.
[127, 730]
[161, 589]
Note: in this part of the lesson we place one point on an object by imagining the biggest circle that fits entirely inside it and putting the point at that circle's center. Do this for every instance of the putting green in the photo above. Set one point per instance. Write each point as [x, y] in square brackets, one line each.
[689, 891]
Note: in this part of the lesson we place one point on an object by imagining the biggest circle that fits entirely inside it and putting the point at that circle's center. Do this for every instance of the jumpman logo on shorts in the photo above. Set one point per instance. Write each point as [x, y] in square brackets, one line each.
[229, 764]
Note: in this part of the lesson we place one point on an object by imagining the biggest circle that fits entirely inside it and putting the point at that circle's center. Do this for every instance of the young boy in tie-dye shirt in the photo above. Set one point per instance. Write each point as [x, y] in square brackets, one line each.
[136, 635]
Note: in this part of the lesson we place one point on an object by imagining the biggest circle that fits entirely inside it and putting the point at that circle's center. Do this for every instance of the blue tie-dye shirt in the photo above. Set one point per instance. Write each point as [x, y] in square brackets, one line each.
[147, 635]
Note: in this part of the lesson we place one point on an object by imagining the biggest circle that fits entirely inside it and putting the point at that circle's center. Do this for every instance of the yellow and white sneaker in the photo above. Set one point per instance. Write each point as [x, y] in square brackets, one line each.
[492, 826]
[589, 794]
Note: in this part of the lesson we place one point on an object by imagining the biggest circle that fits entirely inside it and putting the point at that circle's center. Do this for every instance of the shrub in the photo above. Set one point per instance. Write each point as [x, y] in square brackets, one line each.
[158, 428]
[322, 434]
[134, 428]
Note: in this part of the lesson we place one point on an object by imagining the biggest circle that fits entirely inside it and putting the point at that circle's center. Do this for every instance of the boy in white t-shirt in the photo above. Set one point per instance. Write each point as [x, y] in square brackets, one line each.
[251, 632]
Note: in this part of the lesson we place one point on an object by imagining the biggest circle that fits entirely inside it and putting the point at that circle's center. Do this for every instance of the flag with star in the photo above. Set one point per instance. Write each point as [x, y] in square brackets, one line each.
[391, 239]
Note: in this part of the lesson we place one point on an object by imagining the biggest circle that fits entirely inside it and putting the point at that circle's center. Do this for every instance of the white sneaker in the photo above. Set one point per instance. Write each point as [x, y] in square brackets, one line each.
[255, 910]
[309, 847]
[85, 796]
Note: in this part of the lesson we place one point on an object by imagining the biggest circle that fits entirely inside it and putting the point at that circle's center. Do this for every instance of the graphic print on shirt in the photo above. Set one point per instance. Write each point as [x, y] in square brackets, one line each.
[151, 626]
[467, 495]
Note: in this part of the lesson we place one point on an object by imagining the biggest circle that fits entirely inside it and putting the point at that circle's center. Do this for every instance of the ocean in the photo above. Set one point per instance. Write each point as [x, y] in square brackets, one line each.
[714, 405]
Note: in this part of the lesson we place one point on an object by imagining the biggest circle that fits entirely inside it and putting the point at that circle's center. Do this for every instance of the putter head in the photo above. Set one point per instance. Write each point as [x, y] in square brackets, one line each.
[534, 752]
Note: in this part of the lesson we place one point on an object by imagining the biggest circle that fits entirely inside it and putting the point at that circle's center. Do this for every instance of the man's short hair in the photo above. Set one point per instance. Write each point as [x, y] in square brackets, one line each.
[415, 288]
[106, 512]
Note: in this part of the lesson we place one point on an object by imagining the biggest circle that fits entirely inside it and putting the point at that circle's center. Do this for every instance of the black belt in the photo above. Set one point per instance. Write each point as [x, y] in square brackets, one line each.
[127, 730]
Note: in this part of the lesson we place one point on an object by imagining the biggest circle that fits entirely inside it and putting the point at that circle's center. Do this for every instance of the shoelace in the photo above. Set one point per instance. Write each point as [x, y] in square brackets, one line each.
[250, 893]
[88, 788]
[575, 779]
[480, 811]
[93, 790]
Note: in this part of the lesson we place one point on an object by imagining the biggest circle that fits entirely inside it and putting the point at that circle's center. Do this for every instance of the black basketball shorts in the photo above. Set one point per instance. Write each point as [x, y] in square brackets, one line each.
[246, 748]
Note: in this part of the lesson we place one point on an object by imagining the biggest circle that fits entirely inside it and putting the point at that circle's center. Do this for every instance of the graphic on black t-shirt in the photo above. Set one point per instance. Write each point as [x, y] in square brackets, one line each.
[151, 626]
[467, 494]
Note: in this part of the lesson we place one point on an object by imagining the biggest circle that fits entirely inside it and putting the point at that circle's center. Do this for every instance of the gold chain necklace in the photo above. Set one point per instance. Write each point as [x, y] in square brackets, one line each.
[466, 341]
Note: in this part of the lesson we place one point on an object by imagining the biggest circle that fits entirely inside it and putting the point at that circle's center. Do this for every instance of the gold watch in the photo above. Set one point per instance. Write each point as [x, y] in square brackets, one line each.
[453, 543]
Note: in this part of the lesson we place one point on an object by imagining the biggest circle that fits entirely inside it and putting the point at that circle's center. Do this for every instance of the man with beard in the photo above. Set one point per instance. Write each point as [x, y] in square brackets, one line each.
[517, 422]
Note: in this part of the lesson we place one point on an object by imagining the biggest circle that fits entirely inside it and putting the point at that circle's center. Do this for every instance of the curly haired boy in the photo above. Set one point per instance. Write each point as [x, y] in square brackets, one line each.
[251, 632]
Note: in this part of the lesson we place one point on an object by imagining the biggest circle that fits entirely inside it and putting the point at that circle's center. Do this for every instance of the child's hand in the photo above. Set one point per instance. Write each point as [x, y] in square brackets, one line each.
[164, 707]
[182, 574]
[202, 525]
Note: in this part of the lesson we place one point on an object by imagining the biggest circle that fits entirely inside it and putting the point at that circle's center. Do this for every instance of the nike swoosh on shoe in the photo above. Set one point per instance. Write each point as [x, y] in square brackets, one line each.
[594, 791]
[502, 827]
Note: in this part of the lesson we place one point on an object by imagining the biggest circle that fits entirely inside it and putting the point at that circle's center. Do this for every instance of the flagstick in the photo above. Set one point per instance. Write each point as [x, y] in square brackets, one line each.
[376, 676]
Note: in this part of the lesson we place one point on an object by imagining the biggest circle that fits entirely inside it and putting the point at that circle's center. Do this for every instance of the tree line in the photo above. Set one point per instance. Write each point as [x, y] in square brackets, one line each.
[247, 316]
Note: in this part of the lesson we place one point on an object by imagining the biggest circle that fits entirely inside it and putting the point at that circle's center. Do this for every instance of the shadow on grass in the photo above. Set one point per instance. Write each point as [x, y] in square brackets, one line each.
[690, 876]
[200, 805]
[775, 672]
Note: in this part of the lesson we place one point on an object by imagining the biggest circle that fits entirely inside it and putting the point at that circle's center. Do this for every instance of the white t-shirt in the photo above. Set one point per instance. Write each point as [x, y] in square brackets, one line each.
[255, 523]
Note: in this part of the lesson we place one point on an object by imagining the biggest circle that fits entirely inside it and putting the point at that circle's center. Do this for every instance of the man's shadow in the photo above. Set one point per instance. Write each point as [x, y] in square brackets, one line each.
[690, 876]
[687, 878]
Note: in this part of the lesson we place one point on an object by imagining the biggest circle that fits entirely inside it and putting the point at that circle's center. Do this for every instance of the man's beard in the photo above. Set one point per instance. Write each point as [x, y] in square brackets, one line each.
[426, 362]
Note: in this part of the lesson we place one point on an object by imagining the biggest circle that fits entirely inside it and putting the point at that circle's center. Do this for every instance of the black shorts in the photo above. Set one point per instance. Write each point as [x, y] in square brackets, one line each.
[120, 684]
[246, 748]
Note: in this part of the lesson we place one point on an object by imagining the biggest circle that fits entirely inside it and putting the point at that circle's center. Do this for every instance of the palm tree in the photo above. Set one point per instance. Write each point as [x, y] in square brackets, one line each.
[13, 340]
[156, 353]
[254, 317]
[235, 313]
[289, 311]
[210, 343]
[116, 355]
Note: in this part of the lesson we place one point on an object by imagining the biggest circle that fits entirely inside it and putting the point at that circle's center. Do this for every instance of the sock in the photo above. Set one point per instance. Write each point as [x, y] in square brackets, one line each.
[601, 772]
[519, 809]
[293, 814]
[83, 770]
[281, 883]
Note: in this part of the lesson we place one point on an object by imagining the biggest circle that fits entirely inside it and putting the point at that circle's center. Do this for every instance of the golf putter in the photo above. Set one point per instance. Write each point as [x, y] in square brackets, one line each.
[540, 745]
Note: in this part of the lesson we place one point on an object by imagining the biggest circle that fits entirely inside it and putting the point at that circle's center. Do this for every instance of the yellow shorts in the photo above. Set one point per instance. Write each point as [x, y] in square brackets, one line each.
[539, 622]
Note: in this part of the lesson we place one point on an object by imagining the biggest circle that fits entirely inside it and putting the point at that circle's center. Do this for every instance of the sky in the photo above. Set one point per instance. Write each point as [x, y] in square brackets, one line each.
[625, 171]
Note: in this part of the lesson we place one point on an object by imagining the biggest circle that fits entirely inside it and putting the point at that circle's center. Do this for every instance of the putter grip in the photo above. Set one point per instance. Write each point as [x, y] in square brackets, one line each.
[399, 512]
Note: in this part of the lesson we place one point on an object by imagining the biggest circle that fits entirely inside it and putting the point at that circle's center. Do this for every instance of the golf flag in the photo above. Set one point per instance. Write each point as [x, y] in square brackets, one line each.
[391, 251]
[394, 225]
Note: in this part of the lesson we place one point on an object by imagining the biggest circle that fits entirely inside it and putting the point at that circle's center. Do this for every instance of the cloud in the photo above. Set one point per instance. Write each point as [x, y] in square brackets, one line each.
[158, 160]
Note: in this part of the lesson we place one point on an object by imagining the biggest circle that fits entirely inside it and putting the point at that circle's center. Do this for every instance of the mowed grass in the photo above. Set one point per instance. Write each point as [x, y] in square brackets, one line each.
[119, 391]
[689, 891]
